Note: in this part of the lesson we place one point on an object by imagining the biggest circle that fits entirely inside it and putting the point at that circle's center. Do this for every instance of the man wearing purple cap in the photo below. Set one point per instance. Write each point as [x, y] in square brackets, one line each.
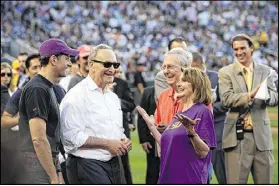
[39, 116]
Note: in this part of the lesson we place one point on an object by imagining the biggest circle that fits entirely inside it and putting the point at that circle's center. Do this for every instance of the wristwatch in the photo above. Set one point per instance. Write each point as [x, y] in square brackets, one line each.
[192, 135]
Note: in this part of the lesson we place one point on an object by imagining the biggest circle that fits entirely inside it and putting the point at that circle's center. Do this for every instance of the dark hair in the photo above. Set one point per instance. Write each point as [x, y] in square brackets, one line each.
[23, 54]
[197, 57]
[45, 60]
[242, 38]
[177, 39]
[31, 57]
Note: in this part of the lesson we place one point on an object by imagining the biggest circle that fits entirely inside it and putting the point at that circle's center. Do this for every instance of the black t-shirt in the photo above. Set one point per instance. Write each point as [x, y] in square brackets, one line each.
[139, 79]
[36, 102]
[12, 106]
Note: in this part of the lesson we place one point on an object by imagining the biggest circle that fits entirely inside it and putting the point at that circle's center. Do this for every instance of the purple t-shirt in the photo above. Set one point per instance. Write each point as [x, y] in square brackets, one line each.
[179, 162]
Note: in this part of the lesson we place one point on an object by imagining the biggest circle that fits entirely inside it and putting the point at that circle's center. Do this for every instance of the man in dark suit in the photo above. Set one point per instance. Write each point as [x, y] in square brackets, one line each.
[123, 91]
[146, 139]
[219, 112]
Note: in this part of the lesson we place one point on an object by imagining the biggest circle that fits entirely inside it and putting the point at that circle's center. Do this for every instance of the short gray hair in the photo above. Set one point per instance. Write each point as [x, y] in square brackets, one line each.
[94, 51]
[185, 57]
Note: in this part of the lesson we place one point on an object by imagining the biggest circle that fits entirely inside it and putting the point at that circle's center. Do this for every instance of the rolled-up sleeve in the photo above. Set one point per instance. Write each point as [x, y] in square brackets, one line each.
[72, 127]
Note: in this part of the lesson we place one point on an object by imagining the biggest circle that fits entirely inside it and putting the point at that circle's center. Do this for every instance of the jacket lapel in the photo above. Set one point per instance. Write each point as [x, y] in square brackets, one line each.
[239, 77]
[257, 76]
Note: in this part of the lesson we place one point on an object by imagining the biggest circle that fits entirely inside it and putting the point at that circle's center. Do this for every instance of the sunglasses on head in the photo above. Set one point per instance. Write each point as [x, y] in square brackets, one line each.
[108, 64]
[6, 74]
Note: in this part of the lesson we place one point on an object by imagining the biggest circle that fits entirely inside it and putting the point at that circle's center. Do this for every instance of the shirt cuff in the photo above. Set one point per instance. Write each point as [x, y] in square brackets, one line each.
[82, 137]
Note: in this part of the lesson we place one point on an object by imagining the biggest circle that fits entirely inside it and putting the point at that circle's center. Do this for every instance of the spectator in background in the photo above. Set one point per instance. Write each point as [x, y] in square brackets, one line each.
[82, 62]
[160, 81]
[64, 82]
[122, 90]
[139, 82]
[6, 77]
[22, 77]
[7, 176]
[146, 139]
[219, 112]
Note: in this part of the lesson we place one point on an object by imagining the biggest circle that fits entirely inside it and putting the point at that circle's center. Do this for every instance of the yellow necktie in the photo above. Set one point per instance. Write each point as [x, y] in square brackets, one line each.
[248, 78]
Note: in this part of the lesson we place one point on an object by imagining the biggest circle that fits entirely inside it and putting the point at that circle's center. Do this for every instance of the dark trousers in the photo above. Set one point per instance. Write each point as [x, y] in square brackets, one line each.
[127, 169]
[153, 168]
[64, 172]
[218, 161]
[90, 171]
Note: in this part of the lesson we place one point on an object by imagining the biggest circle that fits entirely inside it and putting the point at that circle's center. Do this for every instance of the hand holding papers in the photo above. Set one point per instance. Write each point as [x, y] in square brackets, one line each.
[263, 90]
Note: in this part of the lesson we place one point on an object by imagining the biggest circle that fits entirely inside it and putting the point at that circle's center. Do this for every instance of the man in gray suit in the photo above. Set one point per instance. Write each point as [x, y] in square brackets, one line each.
[239, 83]
[160, 82]
[219, 112]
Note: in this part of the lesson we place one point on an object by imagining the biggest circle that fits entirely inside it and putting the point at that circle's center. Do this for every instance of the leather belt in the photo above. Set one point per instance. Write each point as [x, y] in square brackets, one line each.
[248, 130]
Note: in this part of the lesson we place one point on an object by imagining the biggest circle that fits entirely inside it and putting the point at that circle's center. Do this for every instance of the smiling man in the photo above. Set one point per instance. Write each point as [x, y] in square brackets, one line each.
[39, 115]
[168, 104]
[239, 83]
[91, 124]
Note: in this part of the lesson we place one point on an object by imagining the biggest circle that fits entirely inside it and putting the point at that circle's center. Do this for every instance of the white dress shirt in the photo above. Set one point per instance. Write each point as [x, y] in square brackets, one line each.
[86, 111]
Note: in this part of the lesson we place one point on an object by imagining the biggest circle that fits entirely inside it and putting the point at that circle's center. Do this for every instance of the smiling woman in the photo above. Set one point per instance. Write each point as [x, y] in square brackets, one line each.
[186, 143]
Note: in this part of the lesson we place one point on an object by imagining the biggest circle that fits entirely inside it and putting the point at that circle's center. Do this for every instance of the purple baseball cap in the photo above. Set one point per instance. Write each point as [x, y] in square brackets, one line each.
[56, 46]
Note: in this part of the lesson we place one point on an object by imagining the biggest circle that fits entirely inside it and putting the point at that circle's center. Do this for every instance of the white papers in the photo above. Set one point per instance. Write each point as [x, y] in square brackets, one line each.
[263, 91]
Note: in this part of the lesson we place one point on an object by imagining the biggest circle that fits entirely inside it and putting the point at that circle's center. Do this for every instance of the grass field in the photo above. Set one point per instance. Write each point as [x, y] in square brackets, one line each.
[138, 157]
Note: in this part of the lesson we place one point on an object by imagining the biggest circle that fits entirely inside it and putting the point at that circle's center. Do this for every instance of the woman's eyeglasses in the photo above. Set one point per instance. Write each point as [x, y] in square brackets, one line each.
[108, 64]
[6, 74]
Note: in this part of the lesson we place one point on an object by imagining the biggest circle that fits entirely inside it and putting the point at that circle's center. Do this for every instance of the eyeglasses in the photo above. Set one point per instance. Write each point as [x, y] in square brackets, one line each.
[6, 74]
[170, 67]
[108, 64]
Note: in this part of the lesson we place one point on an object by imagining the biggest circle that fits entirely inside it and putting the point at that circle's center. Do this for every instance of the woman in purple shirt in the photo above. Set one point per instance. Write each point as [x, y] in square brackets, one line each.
[186, 143]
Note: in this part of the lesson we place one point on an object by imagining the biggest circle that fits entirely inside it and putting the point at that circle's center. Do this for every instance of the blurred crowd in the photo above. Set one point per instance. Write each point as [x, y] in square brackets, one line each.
[139, 31]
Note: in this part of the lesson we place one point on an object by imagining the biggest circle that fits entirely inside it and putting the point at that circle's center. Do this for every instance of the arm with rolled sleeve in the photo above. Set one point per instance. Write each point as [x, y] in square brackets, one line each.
[72, 127]
[228, 97]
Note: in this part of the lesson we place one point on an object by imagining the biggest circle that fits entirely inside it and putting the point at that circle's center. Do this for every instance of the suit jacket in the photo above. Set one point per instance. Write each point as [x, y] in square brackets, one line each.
[149, 105]
[160, 84]
[122, 90]
[233, 92]
[219, 111]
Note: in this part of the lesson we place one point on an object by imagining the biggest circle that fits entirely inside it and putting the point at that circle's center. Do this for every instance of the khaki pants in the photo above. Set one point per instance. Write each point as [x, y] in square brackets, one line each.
[245, 157]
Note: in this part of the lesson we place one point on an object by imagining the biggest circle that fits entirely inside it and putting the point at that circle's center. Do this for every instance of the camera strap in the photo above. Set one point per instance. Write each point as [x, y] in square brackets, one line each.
[242, 116]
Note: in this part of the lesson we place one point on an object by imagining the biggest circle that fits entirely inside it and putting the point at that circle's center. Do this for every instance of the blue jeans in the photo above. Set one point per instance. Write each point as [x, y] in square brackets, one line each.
[210, 172]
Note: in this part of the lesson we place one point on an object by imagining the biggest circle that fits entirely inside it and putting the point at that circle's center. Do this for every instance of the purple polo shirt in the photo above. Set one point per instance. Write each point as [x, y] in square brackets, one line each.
[179, 162]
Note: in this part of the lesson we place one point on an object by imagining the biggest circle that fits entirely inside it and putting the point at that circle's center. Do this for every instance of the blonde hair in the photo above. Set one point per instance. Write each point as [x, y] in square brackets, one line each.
[200, 84]
[11, 86]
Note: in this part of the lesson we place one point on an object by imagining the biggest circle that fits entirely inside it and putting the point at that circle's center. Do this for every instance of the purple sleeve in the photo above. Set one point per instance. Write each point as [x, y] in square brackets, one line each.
[205, 127]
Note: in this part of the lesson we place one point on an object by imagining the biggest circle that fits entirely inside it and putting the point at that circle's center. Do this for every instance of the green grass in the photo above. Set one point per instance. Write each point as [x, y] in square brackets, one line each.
[138, 157]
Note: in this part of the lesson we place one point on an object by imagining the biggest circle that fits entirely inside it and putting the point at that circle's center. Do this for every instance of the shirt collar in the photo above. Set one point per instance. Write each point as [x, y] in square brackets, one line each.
[171, 92]
[93, 86]
[250, 66]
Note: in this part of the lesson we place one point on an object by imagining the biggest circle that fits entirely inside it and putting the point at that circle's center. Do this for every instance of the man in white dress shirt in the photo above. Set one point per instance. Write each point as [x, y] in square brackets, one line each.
[91, 124]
